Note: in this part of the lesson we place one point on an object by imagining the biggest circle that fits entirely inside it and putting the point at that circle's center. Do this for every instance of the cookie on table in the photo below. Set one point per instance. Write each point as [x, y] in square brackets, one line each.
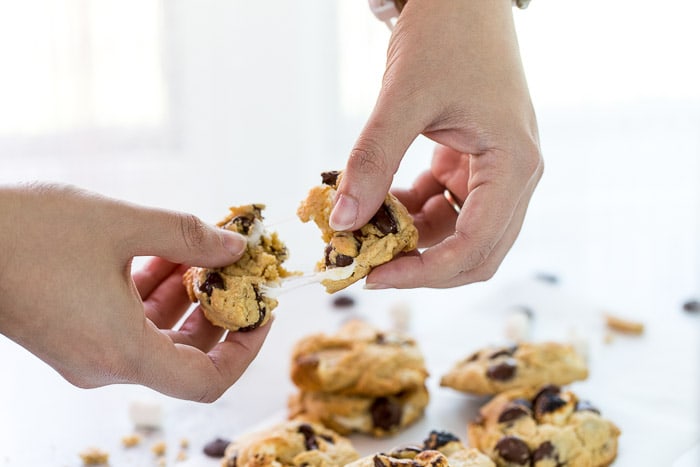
[231, 297]
[291, 443]
[543, 427]
[377, 416]
[358, 360]
[388, 233]
[440, 449]
[496, 369]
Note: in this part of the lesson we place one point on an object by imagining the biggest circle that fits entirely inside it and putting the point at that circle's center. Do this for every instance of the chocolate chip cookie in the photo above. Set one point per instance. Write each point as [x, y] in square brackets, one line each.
[231, 297]
[358, 360]
[440, 449]
[288, 444]
[544, 427]
[496, 369]
[376, 416]
[388, 233]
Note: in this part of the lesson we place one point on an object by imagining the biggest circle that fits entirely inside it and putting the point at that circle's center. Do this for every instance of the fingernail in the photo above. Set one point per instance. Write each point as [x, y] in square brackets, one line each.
[377, 286]
[344, 214]
[235, 243]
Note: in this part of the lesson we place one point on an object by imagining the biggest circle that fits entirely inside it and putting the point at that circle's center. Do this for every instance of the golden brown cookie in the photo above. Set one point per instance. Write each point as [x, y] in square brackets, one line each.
[440, 449]
[231, 297]
[496, 369]
[358, 360]
[376, 416]
[292, 443]
[544, 427]
[388, 233]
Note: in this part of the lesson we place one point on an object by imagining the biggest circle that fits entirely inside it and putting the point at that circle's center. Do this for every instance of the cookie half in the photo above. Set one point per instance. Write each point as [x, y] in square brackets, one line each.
[358, 360]
[231, 297]
[376, 416]
[292, 443]
[544, 427]
[496, 369]
[388, 233]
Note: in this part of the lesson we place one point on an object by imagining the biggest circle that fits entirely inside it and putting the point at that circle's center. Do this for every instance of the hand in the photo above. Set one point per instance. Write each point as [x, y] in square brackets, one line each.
[67, 295]
[453, 74]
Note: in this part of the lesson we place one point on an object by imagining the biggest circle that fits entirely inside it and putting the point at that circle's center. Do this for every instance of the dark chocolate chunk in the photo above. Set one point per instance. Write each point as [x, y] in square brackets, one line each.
[513, 449]
[515, 409]
[328, 438]
[546, 403]
[437, 439]
[242, 224]
[310, 441]
[384, 221]
[213, 281]
[330, 178]
[547, 389]
[339, 260]
[386, 413]
[262, 312]
[343, 301]
[502, 371]
[692, 306]
[586, 406]
[544, 451]
[216, 448]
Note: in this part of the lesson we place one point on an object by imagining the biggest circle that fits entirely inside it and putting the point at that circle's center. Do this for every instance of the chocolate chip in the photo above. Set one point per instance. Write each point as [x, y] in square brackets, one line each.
[262, 312]
[547, 389]
[502, 371]
[546, 403]
[242, 224]
[343, 301]
[509, 351]
[513, 449]
[437, 439]
[213, 281]
[384, 221]
[328, 438]
[586, 406]
[330, 178]
[386, 413]
[338, 260]
[216, 448]
[692, 306]
[544, 451]
[515, 409]
[310, 441]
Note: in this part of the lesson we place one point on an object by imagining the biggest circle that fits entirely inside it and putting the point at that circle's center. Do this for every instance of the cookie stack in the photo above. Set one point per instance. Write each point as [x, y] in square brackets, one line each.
[360, 379]
[532, 421]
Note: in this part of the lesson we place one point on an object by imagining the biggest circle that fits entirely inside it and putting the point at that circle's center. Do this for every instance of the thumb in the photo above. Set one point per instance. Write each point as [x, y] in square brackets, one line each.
[373, 161]
[183, 238]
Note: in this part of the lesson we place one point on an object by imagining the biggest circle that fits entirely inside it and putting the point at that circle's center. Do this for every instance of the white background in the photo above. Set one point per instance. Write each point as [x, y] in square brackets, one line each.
[196, 106]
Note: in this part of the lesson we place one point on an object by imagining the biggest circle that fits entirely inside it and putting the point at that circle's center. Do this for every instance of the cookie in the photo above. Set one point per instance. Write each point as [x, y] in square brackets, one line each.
[290, 443]
[544, 427]
[358, 360]
[388, 233]
[496, 369]
[440, 449]
[376, 416]
[231, 297]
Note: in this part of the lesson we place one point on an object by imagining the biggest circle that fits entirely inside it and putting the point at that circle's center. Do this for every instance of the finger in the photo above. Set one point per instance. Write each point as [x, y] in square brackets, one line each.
[168, 301]
[485, 216]
[424, 187]
[197, 331]
[373, 162]
[178, 237]
[151, 274]
[435, 221]
[186, 372]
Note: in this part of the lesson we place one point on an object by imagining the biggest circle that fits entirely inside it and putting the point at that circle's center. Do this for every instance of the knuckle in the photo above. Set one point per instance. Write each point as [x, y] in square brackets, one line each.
[193, 231]
[367, 158]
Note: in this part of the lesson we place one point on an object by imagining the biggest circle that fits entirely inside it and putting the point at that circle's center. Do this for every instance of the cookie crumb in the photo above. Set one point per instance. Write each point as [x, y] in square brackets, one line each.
[159, 448]
[129, 441]
[184, 443]
[181, 456]
[626, 326]
[94, 456]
